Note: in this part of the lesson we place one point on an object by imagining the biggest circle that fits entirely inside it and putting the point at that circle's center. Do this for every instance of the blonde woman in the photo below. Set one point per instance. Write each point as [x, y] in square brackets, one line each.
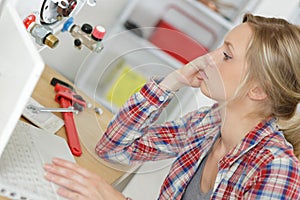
[243, 147]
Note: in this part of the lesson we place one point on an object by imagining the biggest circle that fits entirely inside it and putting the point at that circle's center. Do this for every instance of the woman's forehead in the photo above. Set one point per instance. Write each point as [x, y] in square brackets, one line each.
[239, 37]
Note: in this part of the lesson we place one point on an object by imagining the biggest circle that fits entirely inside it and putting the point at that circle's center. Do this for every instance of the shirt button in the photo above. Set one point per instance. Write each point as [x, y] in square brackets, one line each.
[152, 108]
[161, 98]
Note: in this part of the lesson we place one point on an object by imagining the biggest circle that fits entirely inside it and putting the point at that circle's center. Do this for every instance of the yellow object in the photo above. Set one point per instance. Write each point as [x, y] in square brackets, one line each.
[127, 83]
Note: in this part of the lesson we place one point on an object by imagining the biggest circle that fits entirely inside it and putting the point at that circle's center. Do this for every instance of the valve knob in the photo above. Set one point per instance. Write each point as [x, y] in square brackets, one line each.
[77, 43]
[29, 21]
[98, 33]
[86, 28]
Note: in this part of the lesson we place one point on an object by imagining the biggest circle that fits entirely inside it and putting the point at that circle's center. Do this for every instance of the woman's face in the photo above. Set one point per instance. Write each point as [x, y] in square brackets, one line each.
[226, 74]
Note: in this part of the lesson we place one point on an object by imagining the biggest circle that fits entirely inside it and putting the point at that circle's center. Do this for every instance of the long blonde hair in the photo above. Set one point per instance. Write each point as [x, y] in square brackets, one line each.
[273, 59]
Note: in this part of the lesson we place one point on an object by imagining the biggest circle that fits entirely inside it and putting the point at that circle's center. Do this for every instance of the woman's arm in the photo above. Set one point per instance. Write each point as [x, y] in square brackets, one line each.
[132, 134]
[280, 179]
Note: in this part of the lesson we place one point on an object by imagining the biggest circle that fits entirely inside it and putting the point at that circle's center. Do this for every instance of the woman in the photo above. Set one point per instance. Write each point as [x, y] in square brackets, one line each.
[240, 148]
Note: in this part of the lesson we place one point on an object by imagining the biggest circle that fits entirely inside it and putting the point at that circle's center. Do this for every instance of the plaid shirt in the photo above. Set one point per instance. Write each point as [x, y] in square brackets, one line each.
[262, 166]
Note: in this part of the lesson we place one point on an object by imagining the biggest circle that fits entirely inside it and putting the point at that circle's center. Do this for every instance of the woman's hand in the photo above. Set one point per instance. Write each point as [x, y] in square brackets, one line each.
[78, 183]
[191, 74]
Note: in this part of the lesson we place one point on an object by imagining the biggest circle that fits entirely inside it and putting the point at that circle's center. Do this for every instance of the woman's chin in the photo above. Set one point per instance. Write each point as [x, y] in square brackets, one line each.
[205, 90]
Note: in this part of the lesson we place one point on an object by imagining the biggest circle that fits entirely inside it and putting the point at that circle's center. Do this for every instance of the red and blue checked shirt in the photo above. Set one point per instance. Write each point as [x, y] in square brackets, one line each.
[262, 166]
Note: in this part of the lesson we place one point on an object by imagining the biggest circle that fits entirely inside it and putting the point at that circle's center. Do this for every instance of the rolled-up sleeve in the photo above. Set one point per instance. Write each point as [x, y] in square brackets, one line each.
[132, 135]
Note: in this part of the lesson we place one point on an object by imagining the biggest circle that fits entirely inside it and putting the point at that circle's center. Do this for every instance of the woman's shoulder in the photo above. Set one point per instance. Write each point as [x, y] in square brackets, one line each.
[276, 148]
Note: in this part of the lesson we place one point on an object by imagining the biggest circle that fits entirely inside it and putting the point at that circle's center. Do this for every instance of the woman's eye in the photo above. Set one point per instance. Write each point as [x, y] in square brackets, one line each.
[226, 56]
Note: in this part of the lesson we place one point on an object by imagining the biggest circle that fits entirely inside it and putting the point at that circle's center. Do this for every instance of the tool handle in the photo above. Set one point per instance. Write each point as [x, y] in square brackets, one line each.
[72, 134]
[56, 81]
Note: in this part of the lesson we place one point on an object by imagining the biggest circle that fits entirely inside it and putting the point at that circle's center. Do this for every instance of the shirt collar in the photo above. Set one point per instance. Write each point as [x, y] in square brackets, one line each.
[254, 137]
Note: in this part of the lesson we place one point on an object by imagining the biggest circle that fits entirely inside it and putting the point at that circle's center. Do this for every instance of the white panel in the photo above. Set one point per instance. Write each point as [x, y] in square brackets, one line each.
[20, 69]
[277, 8]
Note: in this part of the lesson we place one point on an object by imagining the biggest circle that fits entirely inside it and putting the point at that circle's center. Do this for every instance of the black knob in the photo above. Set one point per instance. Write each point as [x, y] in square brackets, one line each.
[77, 42]
[87, 28]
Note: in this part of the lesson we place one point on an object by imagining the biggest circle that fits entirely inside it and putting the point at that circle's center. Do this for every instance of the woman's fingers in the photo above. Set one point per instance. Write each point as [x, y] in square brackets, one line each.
[72, 166]
[192, 74]
[71, 176]
[65, 178]
[78, 183]
[74, 195]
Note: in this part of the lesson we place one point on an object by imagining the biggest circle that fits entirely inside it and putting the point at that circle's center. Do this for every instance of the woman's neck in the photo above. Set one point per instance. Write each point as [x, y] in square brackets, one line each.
[238, 120]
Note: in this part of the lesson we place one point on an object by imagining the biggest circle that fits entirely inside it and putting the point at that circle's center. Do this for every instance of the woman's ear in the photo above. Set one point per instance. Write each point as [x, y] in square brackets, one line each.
[256, 93]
